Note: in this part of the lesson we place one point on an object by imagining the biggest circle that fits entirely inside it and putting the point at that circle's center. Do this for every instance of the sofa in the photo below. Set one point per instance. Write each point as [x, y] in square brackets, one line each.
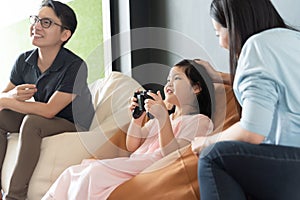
[173, 177]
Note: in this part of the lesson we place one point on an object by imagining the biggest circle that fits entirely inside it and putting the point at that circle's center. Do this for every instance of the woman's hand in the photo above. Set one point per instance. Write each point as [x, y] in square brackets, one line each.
[217, 77]
[23, 92]
[198, 144]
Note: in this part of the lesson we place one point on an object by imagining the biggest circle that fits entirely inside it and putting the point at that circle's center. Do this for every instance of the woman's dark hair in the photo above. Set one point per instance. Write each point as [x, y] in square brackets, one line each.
[64, 13]
[244, 18]
[197, 75]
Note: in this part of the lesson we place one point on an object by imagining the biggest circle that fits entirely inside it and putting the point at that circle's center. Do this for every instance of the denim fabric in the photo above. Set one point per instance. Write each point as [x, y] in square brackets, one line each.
[236, 170]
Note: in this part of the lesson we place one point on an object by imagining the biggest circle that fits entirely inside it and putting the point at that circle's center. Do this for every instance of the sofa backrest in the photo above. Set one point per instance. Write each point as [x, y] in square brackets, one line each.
[111, 97]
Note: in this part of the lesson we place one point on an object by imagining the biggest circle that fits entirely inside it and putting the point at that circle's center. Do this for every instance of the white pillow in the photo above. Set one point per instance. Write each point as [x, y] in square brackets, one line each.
[111, 97]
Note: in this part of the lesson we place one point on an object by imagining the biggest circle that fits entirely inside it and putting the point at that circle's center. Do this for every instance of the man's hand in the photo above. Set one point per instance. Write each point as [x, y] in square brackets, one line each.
[23, 92]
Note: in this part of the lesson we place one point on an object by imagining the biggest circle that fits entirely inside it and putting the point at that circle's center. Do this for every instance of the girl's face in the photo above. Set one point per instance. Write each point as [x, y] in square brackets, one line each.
[178, 90]
[46, 37]
[222, 34]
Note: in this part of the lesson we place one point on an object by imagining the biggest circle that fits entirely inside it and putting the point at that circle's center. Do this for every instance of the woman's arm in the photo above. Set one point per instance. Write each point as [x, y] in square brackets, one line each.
[235, 132]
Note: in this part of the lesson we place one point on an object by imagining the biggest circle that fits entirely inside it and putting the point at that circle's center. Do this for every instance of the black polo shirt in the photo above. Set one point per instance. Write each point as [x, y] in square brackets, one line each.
[68, 73]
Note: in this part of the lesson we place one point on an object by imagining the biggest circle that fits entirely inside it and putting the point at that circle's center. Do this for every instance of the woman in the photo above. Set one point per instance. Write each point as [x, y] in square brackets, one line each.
[259, 156]
[57, 80]
[191, 93]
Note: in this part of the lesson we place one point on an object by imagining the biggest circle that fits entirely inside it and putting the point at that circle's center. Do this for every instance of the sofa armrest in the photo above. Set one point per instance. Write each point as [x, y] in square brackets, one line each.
[57, 153]
[10, 160]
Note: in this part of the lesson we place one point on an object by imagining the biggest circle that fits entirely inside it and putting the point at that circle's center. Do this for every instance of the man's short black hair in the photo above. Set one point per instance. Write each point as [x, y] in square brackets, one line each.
[64, 13]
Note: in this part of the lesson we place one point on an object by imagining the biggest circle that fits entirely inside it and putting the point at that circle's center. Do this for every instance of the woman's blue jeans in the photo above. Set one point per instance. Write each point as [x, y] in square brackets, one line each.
[237, 170]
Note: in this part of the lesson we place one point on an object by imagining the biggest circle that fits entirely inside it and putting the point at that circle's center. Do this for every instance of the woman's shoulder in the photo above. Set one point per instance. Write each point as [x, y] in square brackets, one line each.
[264, 46]
[276, 35]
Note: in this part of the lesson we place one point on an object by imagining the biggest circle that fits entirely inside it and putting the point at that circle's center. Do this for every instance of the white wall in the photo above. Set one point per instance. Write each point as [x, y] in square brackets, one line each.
[191, 18]
[289, 10]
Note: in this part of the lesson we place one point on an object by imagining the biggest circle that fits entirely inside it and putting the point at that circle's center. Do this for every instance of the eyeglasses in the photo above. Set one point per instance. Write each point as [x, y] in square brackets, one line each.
[45, 22]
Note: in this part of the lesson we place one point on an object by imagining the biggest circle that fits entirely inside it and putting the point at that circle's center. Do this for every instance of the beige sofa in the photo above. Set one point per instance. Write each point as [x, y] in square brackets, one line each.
[173, 177]
[110, 98]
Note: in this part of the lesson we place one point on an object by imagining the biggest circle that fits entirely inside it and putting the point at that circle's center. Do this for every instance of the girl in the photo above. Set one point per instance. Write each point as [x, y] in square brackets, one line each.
[191, 92]
[264, 160]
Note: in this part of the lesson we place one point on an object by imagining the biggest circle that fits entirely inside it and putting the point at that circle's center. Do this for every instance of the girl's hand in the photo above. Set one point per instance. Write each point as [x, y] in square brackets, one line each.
[133, 104]
[156, 106]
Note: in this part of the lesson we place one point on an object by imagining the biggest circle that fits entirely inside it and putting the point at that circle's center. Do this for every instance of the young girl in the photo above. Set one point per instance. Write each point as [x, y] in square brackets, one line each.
[191, 92]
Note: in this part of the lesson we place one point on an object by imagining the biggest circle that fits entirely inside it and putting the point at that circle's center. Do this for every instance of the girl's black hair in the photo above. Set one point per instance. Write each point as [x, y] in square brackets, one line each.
[197, 75]
[64, 13]
[244, 18]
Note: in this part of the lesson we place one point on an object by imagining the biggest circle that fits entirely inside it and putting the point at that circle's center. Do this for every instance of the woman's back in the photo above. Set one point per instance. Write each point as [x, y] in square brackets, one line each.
[269, 68]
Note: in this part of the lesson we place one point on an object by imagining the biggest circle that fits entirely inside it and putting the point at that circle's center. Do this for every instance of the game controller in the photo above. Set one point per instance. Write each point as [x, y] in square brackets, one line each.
[141, 96]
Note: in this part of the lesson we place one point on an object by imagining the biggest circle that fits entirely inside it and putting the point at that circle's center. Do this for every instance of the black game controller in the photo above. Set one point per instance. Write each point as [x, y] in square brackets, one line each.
[141, 96]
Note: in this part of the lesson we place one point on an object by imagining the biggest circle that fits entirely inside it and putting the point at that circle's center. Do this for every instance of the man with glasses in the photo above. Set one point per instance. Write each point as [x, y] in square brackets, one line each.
[57, 80]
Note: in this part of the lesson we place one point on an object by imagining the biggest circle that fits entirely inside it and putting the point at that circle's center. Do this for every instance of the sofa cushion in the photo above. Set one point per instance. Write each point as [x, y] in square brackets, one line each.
[57, 153]
[111, 98]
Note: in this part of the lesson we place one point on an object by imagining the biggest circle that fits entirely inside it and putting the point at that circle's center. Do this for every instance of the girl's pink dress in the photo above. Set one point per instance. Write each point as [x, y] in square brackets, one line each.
[96, 179]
